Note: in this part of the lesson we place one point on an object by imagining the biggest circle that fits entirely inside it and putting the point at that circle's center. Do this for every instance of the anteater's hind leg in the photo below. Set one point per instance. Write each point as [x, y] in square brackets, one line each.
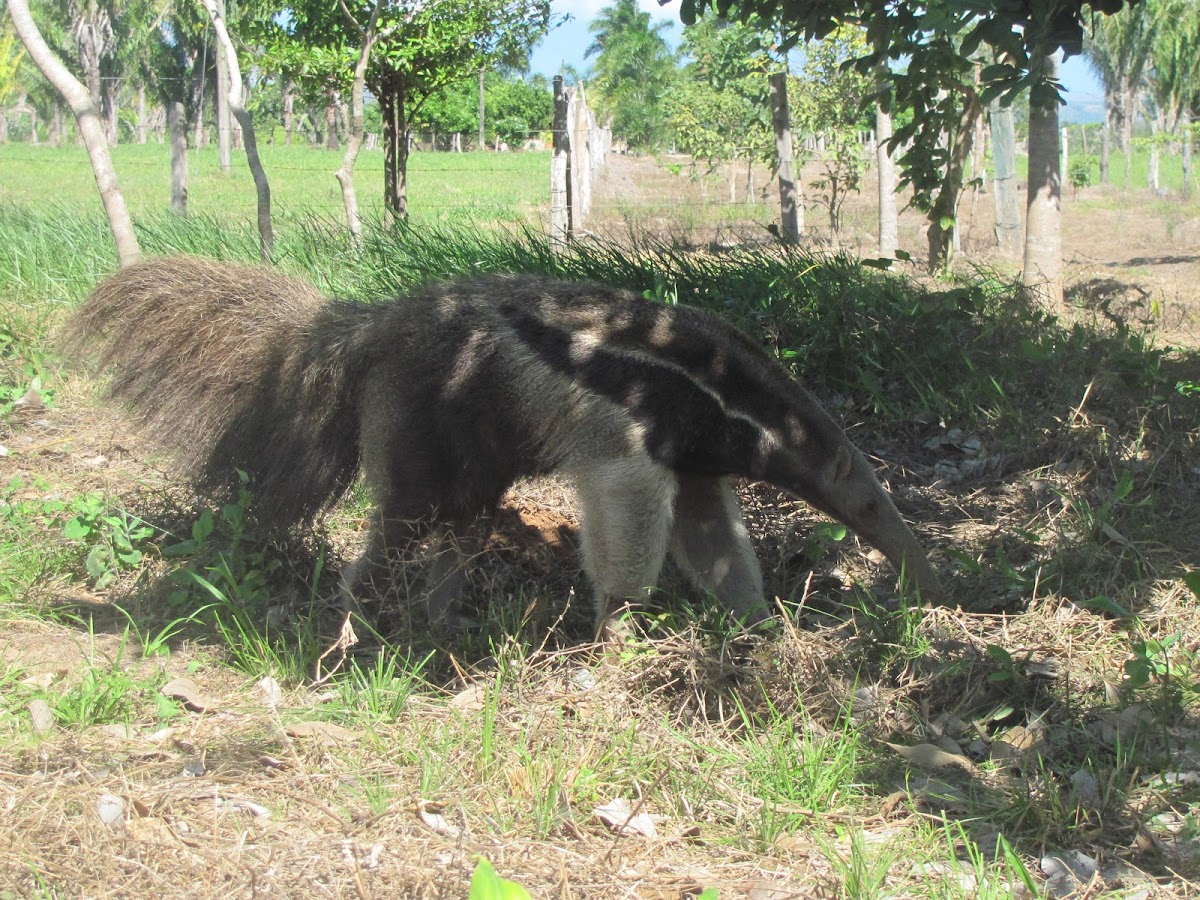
[406, 480]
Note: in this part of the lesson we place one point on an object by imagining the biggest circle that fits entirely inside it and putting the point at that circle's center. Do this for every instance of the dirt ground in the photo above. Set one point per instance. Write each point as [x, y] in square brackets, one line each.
[1134, 254]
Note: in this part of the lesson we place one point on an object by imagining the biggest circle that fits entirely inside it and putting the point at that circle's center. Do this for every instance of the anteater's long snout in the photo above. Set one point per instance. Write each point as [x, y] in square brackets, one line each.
[848, 490]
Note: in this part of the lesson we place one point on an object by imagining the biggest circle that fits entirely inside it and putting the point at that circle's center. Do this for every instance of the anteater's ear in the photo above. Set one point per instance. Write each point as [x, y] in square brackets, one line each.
[842, 464]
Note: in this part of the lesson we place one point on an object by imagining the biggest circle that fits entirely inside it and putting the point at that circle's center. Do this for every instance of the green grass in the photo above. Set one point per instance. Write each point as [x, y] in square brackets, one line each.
[442, 186]
[1170, 168]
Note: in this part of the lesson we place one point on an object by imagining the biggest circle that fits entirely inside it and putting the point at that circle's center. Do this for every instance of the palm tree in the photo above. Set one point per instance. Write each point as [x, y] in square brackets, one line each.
[1175, 74]
[634, 68]
[1118, 47]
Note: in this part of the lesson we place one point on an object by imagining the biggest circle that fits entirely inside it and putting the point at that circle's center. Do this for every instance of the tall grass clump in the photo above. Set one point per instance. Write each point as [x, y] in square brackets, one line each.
[870, 340]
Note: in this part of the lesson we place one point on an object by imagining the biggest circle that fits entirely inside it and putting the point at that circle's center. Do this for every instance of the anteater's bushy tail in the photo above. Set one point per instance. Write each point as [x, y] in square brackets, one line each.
[234, 367]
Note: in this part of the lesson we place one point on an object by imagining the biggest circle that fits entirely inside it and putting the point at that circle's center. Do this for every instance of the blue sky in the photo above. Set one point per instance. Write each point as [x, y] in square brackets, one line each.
[567, 43]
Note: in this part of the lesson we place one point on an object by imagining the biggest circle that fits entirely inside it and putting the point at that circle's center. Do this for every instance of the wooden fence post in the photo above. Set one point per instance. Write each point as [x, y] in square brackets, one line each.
[790, 224]
[560, 223]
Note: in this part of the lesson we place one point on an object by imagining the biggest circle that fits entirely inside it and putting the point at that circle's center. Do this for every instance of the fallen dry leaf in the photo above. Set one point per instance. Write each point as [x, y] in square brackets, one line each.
[271, 692]
[431, 815]
[618, 815]
[188, 693]
[927, 756]
[471, 698]
[41, 714]
[325, 733]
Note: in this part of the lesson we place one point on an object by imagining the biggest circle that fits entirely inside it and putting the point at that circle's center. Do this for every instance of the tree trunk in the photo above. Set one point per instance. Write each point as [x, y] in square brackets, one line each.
[395, 165]
[331, 123]
[482, 133]
[889, 217]
[112, 107]
[790, 206]
[387, 109]
[1106, 137]
[141, 125]
[1004, 155]
[224, 120]
[943, 217]
[345, 175]
[560, 180]
[80, 101]
[1188, 138]
[1127, 100]
[265, 233]
[177, 124]
[1042, 272]
[1153, 172]
[56, 126]
[289, 110]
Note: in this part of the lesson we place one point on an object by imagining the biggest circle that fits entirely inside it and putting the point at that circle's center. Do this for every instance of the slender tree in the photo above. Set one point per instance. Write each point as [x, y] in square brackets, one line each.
[427, 46]
[370, 35]
[94, 138]
[266, 234]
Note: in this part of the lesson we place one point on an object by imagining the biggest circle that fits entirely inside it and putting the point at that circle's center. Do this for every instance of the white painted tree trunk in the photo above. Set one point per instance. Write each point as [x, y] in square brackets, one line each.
[889, 216]
[1042, 271]
[1004, 155]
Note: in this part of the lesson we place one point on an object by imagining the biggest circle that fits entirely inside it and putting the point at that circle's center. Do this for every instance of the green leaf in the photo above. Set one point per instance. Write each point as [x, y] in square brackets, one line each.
[1192, 580]
[487, 885]
[202, 527]
[76, 529]
[1102, 603]
[1000, 655]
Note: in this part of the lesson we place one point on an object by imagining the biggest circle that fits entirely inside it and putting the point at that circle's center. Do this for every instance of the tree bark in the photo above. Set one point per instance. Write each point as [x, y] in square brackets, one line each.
[177, 125]
[482, 133]
[331, 123]
[889, 216]
[1127, 101]
[1042, 271]
[221, 106]
[141, 125]
[943, 217]
[560, 223]
[94, 138]
[262, 187]
[1106, 136]
[345, 175]
[1004, 155]
[790, 205]
[289, 110]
